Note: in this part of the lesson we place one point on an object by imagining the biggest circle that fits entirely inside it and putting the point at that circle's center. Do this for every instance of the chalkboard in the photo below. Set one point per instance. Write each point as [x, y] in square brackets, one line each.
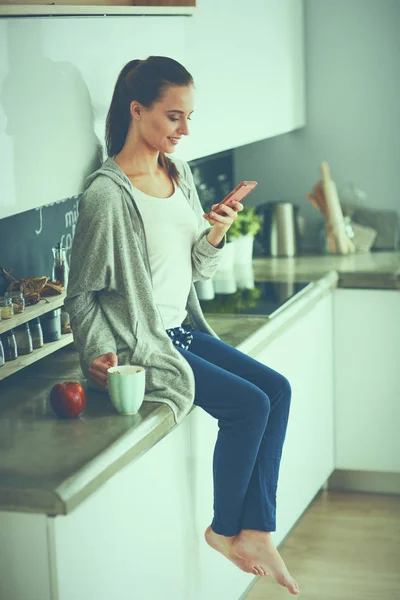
[26, 239]
[213, 177]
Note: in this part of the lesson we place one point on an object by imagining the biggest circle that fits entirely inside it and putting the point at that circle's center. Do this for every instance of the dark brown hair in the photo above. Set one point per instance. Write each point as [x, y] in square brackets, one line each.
[144, 81]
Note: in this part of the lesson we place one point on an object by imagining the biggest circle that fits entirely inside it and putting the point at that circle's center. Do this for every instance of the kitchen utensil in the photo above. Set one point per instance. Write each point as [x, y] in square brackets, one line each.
[283, 230]
[334, 213]
[279, 235]
[364, 237]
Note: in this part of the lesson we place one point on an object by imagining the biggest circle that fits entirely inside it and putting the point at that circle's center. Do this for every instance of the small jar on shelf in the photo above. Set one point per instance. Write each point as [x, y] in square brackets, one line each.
[9, 345]
[65, 321]
[24, 339]
[2, 358]
[6, 307]
[51, 325]
[17, 300]
[36, 333]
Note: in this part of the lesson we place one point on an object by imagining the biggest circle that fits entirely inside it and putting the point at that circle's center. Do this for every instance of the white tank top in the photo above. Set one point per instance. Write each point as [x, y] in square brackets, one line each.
[171, 230]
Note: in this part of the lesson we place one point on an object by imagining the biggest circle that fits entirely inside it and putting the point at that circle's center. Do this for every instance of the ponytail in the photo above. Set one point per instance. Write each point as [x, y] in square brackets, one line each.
[119, 116]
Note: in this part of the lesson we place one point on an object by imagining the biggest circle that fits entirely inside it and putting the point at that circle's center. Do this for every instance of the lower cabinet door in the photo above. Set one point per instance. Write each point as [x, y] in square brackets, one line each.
[367, 374]
[133, 538]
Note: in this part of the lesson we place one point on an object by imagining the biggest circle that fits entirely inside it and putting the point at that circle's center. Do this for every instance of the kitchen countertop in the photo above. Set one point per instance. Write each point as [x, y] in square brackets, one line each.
[49, 465]
[371, 270]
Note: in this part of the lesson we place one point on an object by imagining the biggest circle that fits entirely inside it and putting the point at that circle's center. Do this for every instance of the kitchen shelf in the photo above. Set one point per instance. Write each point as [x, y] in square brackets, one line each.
[11, 367]
[30, 312]
[36, 10]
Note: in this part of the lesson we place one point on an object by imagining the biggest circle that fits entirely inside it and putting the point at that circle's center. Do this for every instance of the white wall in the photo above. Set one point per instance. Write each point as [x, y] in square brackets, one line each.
[352, 64]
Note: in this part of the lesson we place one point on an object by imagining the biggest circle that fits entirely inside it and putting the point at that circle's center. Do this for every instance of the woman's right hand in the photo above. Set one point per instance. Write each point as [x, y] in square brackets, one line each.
[98, 368]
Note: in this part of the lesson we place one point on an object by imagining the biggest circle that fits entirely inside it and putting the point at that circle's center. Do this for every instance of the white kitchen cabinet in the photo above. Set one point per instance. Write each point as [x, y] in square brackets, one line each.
[217, 577]
[25, 569]
[132, 539]
[247, 60]
[367, 375]
[304, 354]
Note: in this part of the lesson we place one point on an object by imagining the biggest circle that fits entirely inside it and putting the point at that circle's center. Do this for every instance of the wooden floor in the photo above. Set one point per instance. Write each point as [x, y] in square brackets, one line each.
[345, 547]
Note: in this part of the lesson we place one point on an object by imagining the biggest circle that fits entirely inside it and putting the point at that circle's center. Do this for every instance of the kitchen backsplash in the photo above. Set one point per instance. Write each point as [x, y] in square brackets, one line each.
[26, 239]
[213, 177]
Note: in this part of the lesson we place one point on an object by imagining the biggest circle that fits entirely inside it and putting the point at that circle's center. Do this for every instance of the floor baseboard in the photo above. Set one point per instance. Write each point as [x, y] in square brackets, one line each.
[364, 481]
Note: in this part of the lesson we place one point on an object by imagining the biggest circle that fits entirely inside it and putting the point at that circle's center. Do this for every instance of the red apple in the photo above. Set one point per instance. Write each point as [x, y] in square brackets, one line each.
[67, 399]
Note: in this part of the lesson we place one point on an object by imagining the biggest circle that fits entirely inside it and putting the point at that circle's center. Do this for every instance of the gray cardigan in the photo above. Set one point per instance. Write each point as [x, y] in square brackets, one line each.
[110, 295]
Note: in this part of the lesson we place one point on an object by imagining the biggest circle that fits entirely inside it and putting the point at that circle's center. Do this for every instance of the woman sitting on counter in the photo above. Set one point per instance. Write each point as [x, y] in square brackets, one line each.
[141, 241]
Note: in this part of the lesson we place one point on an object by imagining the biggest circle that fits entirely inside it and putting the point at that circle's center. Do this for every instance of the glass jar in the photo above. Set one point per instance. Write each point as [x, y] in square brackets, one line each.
[2, 359]
[36, 333]
[65, 322]
[51, 325]
[18, 301]
[24, 339]
[6, 307]
[60, 265]
[9, 345]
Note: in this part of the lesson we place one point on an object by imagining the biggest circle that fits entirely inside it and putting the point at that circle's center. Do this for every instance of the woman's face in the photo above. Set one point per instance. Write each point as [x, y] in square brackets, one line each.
[163, 124]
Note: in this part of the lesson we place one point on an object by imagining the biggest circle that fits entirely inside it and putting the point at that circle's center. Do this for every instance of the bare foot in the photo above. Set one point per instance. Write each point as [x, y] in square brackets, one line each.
[257, 547]
[224, 545]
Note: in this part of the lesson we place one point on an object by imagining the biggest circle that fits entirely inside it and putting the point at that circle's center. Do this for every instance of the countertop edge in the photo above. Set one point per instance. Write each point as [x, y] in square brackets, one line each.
[122, 452]
[30, 500]
[74, 490]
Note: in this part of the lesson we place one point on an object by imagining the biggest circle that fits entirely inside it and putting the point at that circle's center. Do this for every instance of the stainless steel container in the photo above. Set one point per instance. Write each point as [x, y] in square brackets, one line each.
[283, 230]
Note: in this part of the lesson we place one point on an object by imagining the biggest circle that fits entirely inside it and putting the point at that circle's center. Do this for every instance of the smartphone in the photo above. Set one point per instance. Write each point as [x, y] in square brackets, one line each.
[238, 193]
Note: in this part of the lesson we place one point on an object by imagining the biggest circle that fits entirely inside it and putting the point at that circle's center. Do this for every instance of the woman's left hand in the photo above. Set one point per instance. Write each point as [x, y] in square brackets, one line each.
[221, 222]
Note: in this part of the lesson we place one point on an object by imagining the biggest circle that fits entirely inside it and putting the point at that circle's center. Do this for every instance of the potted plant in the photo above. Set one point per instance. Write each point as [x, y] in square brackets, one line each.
[242, 233]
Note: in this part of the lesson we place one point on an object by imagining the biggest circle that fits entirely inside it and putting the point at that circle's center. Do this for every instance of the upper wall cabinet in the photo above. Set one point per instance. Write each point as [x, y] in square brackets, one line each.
[57, 77]
[247, 60]
[96, 7]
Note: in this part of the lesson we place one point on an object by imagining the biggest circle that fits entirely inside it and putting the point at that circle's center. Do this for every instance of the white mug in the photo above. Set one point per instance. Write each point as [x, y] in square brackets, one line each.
[126, 387]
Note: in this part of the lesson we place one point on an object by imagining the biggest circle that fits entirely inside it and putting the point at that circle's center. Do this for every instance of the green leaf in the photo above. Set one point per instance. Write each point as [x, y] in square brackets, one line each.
[247, 222]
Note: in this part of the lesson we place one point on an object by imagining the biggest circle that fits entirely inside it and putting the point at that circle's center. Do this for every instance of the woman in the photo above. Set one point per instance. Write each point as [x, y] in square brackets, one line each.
[140, 242]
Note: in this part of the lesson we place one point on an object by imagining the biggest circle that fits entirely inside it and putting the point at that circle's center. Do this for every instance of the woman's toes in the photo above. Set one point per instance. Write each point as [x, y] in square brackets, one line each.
[297, 586]
[293, 587]
[258, 570]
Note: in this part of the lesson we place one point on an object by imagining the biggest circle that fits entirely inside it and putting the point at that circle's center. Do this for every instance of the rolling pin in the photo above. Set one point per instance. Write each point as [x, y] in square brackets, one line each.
[334, 211]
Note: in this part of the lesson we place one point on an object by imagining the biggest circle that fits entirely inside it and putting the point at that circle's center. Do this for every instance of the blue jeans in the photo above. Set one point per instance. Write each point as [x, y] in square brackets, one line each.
[251, 403]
